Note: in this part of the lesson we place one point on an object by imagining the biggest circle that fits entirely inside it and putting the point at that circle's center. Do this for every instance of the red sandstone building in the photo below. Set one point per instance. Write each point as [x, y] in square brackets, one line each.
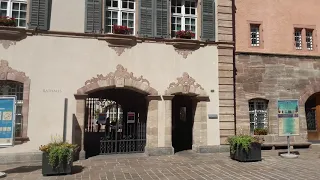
[277, 57]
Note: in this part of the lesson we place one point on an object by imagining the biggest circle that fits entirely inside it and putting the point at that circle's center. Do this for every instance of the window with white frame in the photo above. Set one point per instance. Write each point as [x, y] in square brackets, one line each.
[309, 39]
[298, 38]
[258, 111]
[255, 34]
[183, 16]
[16, 9]
[120, 12]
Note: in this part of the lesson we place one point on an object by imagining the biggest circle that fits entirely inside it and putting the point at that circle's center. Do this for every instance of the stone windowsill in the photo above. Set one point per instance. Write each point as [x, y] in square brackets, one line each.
[184, 44]
[119, 40]
[12, 33]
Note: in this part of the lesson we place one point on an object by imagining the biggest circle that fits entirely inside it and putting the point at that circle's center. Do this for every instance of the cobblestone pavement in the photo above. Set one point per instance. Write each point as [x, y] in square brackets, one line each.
[181, 166]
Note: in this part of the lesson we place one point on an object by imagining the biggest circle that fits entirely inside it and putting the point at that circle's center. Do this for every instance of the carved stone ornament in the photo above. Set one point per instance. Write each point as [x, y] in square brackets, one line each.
[6, 43]
[12, 33]
[184, 47]
[119, 42]
[185, 85]
[120, 78]
[7, 73]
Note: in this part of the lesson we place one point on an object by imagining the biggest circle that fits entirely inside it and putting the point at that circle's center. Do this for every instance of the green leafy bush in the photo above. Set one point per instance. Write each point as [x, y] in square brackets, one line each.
[243, 141]
[59, 152]
[260, 131]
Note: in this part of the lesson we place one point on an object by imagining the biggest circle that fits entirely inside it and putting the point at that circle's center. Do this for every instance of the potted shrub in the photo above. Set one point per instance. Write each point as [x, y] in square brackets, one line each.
[245, 148]
[121, 30]
[260, 131]
[6, 21]
[185, 34]
[57, 157]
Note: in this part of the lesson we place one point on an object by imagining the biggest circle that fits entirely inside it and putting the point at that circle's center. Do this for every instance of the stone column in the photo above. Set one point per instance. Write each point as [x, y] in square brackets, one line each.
[168, 123]
[200, 126]
[78, 123]
[152, 124]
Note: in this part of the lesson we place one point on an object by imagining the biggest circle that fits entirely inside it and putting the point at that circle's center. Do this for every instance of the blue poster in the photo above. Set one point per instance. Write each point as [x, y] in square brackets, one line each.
[7, 120]
[288, 116]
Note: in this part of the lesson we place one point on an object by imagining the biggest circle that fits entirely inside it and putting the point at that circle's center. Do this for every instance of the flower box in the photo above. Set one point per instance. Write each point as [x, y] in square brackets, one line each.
[244, 148]
[57, 157]
[252, 155]
[64, 167]
[185, 34]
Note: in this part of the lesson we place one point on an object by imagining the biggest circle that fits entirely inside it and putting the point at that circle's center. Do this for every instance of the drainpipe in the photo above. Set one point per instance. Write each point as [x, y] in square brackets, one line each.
[234, 63]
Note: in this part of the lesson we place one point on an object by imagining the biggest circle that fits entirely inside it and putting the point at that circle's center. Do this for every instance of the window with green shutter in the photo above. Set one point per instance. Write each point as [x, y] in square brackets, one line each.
[208, 20]
[162, 18]
[146, 18]
[40, 14]
[120, 12]
[183, 16]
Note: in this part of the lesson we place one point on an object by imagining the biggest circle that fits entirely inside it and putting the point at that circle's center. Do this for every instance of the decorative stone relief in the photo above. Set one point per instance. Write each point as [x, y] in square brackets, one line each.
[6, 43]
[119, 42]
[185, 85]
[120, 78]
[119, 50]
[184, 53]
[7, 73]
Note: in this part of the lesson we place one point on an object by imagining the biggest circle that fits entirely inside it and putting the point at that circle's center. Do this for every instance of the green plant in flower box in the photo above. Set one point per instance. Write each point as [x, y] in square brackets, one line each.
[59, 152]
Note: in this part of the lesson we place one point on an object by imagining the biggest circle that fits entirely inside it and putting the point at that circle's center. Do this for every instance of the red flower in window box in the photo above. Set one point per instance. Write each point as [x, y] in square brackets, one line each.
[121, 29]
[185, 34]
[7, 21]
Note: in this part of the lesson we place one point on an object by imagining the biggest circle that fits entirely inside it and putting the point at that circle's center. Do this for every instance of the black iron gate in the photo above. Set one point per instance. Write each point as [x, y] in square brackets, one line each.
[116, 134]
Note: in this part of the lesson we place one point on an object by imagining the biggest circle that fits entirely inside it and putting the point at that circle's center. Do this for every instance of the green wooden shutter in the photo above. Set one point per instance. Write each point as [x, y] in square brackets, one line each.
[208, 20]
[146, 18]
[162, 18]
[40, 14]
[93, 17]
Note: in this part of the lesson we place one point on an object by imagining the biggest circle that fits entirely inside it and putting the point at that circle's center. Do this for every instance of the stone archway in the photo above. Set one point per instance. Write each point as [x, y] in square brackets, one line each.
[9, 74]
[121, 78]
[187, 86]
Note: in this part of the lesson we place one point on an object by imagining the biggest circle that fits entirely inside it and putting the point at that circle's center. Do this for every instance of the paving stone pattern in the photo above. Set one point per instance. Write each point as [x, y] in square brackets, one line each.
[181, 166]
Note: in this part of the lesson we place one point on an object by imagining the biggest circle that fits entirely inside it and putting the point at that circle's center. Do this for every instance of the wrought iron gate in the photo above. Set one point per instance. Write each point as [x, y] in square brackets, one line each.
[117, 134]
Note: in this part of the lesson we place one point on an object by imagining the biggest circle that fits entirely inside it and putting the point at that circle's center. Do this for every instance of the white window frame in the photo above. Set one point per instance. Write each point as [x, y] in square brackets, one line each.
[255, 113]
[183, 16]
[296, 35]
[10, 5]
[119, 9]
[257, 33]
[309, 36]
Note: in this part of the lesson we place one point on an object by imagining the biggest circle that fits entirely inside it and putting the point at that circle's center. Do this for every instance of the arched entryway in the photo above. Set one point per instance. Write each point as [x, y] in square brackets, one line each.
[116, 113]
[188, 120]
[312, 114]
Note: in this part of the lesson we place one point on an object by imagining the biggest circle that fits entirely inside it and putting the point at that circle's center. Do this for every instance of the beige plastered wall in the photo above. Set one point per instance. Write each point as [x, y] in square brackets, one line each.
[278, 19]
[63, 64]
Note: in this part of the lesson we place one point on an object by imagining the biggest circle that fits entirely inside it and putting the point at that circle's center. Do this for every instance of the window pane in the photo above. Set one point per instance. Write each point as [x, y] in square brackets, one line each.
[15, 6]
[23, 15]
[15, 14]
[3, 13]
[23, 7]
[3, 5]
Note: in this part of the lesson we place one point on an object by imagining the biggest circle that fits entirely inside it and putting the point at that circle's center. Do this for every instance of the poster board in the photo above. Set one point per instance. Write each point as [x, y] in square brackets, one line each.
[288, 117]
[7, 120]
[131, 117]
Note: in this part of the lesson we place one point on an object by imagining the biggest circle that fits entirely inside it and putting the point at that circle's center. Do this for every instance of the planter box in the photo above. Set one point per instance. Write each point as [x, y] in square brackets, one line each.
[47, 169]
[254, 153]
[232, 155]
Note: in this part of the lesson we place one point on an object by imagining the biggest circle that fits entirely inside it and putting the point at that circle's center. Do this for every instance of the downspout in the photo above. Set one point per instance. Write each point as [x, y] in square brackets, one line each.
[234, 64]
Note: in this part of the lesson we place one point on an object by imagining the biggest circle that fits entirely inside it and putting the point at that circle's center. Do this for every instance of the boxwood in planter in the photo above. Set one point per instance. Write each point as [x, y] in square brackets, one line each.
[245, 148]
[57, 158]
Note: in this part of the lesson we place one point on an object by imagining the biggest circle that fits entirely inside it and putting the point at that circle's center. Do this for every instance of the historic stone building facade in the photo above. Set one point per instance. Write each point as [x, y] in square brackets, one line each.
[277, 57]
[64, 62]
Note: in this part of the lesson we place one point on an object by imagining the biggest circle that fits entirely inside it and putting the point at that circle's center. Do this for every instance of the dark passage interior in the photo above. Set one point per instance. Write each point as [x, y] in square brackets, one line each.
[182, 122]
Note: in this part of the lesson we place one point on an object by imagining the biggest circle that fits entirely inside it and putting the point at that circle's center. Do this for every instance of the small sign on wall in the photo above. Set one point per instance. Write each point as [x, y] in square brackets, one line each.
[131, 117]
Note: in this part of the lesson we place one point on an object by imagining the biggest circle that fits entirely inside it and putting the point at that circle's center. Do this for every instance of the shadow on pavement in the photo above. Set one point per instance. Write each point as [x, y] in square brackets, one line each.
[22, 169]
